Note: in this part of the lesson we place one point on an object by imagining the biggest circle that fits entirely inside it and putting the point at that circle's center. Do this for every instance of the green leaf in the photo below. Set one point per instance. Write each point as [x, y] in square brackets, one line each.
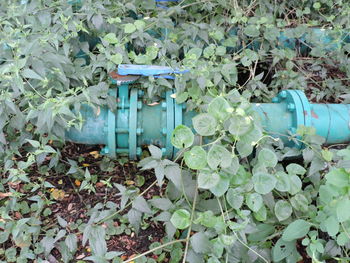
[141, 205]
[338, 177]
[139, 24]
[200, 243]
[251, 31]
[294, 168]
[234, 199]
[97, 240]
[264, 182]
[283, 181]
[295, 184]
[299, 202]
[35, 144]
[298, 229]
[221, 188]
[254, 201]
[196, 158]
[117, 58]
[111, 38]
[31, 74]
[129, 28]
[219, 108]
[182, 137]
[219, 155]
[343, 209]
[332, 225]
[283, 210]
[71, 242]
[240, 125]
[282, 249]
[267, 157]
[208, 179]
[227, 240]
[181, 219]
[204, 124]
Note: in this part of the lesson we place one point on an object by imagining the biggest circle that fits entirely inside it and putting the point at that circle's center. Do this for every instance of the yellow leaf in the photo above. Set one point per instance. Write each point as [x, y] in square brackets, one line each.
[129, 182]
[77, 182]
[86, 164]
[60, 181]
[58, 194]
[88, 249]
[95, 154]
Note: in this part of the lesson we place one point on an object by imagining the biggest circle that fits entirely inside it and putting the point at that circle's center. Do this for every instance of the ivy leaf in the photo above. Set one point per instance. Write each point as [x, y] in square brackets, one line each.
[196, 158]
[294, 168]
[139, 24]
[282, 249]
[200, 243]
[283, 210]
[283, 181]
[251, 31]
[298, 229]
[31, 74]
[111, 38]
[129, 28]
[299, 202]
[117, 58]
[343, 210]
[267, 157]
[295, 184]
[332, 225]
[141, 205]
[204, 124]
[182, 137]
[208, 179]
[219, 108]
[221, 188]
[181, 219]
[240, 125]
[254, 201]
[264, 183]
[234, 199]
[219, 155]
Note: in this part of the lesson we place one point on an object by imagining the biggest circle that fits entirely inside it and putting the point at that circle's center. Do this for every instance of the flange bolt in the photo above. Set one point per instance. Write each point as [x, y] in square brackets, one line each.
[139, 131]
[291, 106]
[283, 94]
[139, 105]
[164, 131]
[163, 105]
[275, 100]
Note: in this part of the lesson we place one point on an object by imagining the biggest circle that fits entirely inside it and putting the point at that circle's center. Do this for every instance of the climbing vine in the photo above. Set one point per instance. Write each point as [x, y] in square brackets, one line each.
[234, 193]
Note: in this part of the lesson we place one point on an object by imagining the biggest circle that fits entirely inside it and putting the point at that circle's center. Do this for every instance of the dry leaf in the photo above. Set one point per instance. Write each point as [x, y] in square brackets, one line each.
[60, 181]
[86, 164]
[129, 182]
[58, 194]
[95, 154]
[3, 195]
[77, 182]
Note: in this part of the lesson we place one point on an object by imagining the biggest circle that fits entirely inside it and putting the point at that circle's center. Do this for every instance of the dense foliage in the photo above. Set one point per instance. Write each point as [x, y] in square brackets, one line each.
[234, 193]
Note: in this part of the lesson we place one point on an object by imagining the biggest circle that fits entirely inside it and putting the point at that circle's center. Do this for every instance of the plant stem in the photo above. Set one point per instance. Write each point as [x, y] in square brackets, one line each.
[190, 227]
[154, 249]
[127, 205]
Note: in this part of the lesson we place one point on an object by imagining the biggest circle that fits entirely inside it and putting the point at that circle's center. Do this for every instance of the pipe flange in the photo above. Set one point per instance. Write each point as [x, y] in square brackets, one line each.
[170, 122]
[133, 124]
[111, 138]
[298, 105]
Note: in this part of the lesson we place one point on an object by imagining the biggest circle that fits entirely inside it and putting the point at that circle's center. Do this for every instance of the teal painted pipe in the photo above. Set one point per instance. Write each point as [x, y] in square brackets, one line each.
[135, 124]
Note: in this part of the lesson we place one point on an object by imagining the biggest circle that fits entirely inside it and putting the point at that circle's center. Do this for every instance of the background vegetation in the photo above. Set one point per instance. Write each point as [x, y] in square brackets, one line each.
[240, 198]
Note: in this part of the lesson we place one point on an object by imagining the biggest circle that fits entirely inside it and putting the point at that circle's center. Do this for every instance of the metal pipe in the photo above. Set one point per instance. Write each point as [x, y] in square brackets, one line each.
[143, 124]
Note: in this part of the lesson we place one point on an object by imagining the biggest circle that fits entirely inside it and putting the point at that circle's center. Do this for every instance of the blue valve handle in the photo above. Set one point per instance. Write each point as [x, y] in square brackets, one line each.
[147, 70]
